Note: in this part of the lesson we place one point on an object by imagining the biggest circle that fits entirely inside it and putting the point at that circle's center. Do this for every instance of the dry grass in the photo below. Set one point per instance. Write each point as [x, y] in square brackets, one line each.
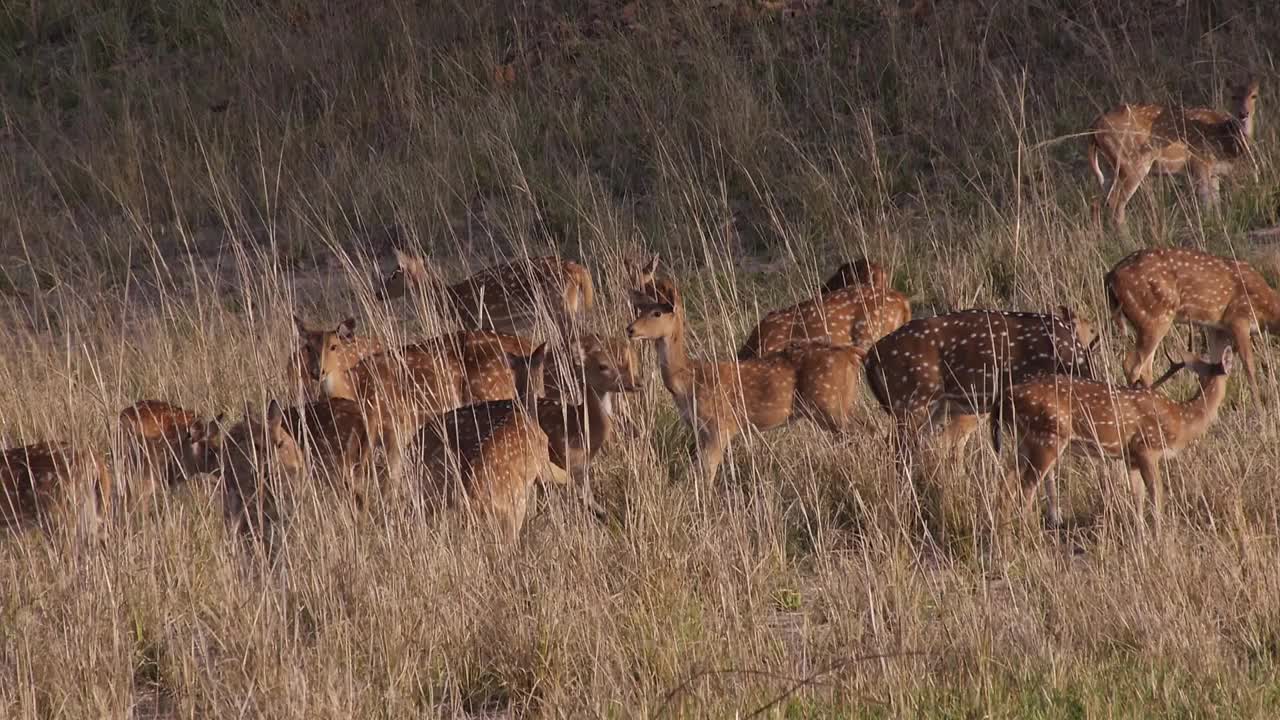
[179, 178]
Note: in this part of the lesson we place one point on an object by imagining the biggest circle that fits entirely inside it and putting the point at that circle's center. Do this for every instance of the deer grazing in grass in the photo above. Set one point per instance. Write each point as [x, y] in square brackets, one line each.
[577, 433]
[165, 445]
[817, 380]
[1203, 143]
[1153, 289]
[1053, 413]
[259, 461]
[57, 487]
[488, 455]
[948, 369]
[508, 298]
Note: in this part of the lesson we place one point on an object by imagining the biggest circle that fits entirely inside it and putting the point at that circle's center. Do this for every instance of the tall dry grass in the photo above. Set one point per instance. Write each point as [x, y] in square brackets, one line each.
[180, 178]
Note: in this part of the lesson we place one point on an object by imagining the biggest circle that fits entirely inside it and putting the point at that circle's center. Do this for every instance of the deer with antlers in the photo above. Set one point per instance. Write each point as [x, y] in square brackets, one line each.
[508, 298]
[1153, 289]
[1056, 413]
[718, 400]
[1205, 144]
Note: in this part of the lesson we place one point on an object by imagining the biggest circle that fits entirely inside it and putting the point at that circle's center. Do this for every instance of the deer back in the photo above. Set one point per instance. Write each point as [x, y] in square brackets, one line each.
[331, 431]
[53, 484]
[858, 315]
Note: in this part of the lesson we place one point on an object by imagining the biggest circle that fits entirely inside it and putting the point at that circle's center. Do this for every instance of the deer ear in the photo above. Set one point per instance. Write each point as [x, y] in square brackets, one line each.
[1227, 358]
[275, 416]
[652, 266]
[347, 329]
[539, 355]
[1065, 313]
[300, 325]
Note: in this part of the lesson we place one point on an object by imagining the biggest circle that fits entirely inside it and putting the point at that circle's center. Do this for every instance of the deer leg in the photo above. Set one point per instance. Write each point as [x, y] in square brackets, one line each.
[709, 449]
[1138, 362]
[1123, 186]
[1241, 338]
[956, 435]
[1148, 490]
[1038, 453]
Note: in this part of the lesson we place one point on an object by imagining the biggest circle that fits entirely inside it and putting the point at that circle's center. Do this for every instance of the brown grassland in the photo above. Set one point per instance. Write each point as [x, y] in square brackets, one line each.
[177, 179]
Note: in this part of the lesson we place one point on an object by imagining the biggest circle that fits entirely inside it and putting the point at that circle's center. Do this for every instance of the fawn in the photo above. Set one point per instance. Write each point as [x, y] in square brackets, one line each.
[720, 399]
[1203, 143]
[335, 440]
[1050, 414]
[1153, 289]
[259, 460]
[165, 443]
[52, 485]
[576, 433]
[950, 367]
[507, 298]
[488, 455]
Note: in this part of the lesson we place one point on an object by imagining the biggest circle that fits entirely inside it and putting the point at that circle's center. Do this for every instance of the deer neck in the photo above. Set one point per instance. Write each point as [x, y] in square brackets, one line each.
[1201, 411]
[676, 370]
[599, 416]
[338, 386]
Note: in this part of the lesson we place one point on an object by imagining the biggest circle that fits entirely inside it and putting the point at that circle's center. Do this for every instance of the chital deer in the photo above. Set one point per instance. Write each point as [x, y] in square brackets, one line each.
[1205, 144]
[165, 444]
[55, 486]
[508, 297]
[949, 368]
[576, 433]
[1153, 289]
[488, 455]
[259, 460]
[335, 440]
[718, 400]
[857, 315]
[339, 347]
[1053, 413]
[859, 272]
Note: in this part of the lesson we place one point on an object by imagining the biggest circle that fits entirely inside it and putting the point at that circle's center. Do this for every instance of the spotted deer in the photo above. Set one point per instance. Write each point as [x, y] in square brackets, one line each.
[57, 487]
[165, 444]
[859, 272]
[1056, 413]
[487, 456]
[1153, 289]
[718, 400]
[1135, 139]
[857, 315]
[577, 433]
[259, 461]
[508, 298]
[320, 348]
[948, 369]
[334, 440]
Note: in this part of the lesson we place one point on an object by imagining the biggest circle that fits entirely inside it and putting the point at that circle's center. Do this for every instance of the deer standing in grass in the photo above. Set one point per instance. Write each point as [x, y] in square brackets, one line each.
[857, 315]
[1056, 413]
[165, 444]
[55, 486]
[488, 455]
[334, 439]
[718, 400]
[508, 298]
[259, 460]
[1153, 289]
[577, 433]
[337, 347]
[1203, 143]
[948, 369]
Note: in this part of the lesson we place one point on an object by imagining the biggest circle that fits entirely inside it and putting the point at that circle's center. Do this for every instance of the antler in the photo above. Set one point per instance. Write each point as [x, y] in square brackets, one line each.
[1174, 367]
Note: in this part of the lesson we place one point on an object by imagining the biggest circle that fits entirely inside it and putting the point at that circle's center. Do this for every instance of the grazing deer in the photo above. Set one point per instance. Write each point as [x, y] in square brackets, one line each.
[508, 297]
[720, 399]
[857, 315]
[1153, 289]
[859, 272]
[576, 433]
[320, 348]
[1205, 144]
[52, 485]
[488, 455]
[259, 460]
[950, 367]
[165, 444]
[335, 440]
[1053, 413]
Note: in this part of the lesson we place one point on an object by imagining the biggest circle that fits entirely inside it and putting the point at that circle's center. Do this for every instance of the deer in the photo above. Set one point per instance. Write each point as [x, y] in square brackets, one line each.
[1153, 289]
[334, 439]
[1055, 413]
[1203, 143]
[577, 433]
[487, 456]
[508, 297]
[57, 487]
[166, 445]
[949, 368]
[856, 315]
[319, 347]
[817, 380]
[259, 460]
[859, 272]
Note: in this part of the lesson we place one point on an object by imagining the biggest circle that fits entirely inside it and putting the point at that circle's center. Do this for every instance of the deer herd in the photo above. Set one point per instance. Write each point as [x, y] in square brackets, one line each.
[480, 417]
